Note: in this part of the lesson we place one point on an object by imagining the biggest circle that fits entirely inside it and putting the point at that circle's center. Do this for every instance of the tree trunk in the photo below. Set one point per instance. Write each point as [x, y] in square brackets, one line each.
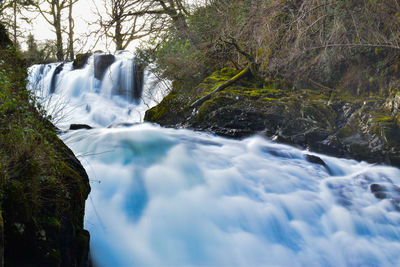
[15, 24]
[71, 32]
[59, 41]
[118, 36]
[181, 26]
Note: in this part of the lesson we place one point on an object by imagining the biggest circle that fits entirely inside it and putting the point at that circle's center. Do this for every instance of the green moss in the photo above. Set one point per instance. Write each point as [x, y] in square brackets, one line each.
[346, 131]
[156, 113]
[383, 118]
[226, 73]
[221, 76]
[43, 187]
[276, 84]
[81, 60]
[173, 103]
[213, 104]
[270, 91]
[54, 222]
[253, 93]
[387, 128]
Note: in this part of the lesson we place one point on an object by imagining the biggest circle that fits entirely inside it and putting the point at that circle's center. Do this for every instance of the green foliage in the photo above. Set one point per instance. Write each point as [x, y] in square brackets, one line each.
[39, 53]
[211, 26]
[344, 45]
[41, 194]
[176, 59]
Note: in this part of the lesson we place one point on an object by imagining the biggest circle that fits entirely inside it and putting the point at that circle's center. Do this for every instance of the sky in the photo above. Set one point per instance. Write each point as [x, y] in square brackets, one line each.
[83, 12]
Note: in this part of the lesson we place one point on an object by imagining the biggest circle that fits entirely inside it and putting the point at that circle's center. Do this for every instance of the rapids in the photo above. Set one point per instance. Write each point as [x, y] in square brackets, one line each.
[174, 197]
[163, 197]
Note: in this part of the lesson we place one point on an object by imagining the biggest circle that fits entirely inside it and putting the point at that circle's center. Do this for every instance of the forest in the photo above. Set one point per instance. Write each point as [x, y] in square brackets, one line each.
[189, 40]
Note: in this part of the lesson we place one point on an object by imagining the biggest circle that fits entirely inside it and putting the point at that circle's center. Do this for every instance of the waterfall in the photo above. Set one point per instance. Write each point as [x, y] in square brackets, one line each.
[108, 89]
[174, 197]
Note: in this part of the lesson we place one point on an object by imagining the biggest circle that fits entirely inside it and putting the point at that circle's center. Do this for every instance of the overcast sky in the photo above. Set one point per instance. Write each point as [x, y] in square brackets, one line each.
[84, 12]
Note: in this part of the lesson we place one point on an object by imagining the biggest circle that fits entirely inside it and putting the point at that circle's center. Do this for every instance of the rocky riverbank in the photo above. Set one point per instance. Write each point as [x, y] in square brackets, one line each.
[335, 122]
[43, 186]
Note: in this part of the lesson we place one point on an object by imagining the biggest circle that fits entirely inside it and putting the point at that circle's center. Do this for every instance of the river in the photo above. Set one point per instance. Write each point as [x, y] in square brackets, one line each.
[174, 197]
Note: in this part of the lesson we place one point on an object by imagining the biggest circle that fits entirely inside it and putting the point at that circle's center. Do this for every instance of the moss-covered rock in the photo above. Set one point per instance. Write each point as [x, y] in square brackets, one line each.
[336, 122]
[81, 60]
[43, 187]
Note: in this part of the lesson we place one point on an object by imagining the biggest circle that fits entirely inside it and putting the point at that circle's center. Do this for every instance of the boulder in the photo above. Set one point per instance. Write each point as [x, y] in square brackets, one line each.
[79, 126]
[81, 60]
[101, 63]
[365, 127]
[53, 82]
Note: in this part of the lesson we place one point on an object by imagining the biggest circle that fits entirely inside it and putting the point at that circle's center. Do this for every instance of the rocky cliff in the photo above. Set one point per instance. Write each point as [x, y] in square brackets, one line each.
[43, 186]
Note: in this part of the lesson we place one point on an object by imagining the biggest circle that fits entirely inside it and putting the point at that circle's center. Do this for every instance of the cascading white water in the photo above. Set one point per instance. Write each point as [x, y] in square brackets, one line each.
[164, 197]
[103, 92]
[179, 198]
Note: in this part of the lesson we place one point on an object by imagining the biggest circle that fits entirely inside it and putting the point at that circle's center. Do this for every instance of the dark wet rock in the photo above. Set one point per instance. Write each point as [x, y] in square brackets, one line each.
[53, 82]
[364, 127]
[387, 191]
[138, 81]
[130, 86]
[79, 126]
[122, 125]
[317, 160]
[42, 68]
[101, 63]
[50, 231]
[81, 60]
[379, 191]
[377, 188]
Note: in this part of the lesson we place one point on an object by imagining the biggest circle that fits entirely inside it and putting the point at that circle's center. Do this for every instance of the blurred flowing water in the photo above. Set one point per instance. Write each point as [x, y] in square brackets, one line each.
[167, 197]
[109, 89]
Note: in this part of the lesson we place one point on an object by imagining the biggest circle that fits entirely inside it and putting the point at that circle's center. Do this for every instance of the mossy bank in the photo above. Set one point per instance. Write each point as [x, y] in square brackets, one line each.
[43, 187]
[332, 121]
[325, 75]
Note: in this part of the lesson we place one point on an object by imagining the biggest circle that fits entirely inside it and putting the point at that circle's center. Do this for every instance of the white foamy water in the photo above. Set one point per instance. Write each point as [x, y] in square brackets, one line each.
[80, 97]
[163, 197]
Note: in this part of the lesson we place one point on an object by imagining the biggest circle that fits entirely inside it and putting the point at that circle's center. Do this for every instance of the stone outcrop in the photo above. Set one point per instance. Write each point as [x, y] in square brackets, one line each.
[43, 186]
[363, 127]
[81, 60]
[101, 63]
[43, 223]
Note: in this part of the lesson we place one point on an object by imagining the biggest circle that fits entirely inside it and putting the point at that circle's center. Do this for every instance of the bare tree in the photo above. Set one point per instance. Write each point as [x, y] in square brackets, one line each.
[71, 26]
[14, 9]
[121, 26]
[153, 14]
[176, 10]
[52, 12]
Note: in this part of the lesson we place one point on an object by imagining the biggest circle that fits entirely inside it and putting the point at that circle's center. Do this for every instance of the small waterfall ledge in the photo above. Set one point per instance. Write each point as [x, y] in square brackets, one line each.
[108, 89]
